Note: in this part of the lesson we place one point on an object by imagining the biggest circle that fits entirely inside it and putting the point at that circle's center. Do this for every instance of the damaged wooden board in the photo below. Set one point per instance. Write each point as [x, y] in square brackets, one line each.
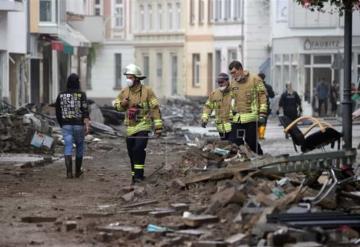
[197, 220]
[229, 172]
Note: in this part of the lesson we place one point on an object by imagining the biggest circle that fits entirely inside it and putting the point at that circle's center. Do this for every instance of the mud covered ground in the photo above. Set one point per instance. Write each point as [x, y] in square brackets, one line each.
[97, 198]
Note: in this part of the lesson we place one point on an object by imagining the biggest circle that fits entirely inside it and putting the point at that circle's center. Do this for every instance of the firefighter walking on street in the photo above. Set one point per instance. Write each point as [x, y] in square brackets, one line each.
[219, 101]
[142, 114]
[250, 107]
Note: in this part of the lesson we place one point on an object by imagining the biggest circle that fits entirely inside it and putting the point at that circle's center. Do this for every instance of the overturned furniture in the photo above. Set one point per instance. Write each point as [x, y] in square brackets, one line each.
[309, 141]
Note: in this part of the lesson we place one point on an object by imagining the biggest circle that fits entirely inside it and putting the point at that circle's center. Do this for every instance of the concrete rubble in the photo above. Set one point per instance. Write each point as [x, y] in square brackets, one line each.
[220, 197]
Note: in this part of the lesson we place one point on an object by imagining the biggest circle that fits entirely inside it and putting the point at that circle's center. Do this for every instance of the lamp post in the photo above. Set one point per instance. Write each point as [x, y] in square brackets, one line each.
[347, 104]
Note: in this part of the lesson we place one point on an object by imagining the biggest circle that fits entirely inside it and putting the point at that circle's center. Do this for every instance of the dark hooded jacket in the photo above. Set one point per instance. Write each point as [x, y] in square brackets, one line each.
[71, 105]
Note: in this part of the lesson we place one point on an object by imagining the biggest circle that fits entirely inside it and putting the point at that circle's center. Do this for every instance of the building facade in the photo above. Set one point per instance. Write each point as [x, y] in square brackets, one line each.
[228, 29]
[307, 47]
[55, 48]
[199, 48]
[114, 52]
[14, 84]
[159, 38]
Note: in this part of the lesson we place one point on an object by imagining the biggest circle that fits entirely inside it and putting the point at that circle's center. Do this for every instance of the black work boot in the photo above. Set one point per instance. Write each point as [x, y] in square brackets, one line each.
[68, 164]
[78, 164]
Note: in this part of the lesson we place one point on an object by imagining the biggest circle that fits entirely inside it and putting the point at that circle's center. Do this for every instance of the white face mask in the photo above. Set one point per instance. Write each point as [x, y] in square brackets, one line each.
[222, 88]
[129, 82]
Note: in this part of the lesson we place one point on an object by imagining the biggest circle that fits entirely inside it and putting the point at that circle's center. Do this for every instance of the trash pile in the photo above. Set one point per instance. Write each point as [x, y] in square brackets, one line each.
[22, 130]
[222, 195]
[180, 112]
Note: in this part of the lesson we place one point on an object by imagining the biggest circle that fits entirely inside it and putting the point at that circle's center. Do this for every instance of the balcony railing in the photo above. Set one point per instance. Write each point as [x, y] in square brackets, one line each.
[11, 5]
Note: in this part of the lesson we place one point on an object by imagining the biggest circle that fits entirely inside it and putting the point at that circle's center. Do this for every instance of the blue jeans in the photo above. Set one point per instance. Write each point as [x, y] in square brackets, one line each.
[73, 134]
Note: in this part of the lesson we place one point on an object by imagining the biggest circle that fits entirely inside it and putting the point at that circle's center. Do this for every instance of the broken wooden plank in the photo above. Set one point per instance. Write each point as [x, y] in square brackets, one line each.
[162, 213]
[96, 215]
[209, 244]
[180, 206]
[139, 204]
[229, 172]
[197, 220]
[38, 219]
[236, 239]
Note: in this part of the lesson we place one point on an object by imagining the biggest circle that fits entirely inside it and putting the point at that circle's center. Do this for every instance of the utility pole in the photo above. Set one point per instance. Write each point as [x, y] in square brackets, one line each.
[347, 104]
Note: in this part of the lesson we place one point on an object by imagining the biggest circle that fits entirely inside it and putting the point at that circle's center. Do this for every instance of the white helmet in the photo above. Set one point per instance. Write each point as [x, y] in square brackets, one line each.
[134, 70]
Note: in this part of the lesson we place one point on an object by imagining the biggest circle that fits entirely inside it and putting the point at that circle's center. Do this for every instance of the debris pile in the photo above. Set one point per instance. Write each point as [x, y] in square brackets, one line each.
[222, 195]
[18, 131]
[180, 112]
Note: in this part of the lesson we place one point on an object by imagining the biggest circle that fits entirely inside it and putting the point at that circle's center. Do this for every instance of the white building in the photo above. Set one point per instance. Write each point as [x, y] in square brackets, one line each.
[159, 37]
[307, 46]
[13, 47]
[114, 52]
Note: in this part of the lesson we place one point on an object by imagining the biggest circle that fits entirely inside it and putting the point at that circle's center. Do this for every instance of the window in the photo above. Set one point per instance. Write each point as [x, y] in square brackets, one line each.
[218, 10]
[118, 74]
[119, 13]
[210, 11]
[178, 16]
[237, 10]
[150, 12]
[146, 62]
[192, 12]
[227, 8]
[142, 18]
[98, 7]
[201, 11]
[322, 59]
[217, 62]
[196, 70]
[232, 55]
[174, 74]
[47, 11]
[159, 66]
[160, 17]
[170, 16]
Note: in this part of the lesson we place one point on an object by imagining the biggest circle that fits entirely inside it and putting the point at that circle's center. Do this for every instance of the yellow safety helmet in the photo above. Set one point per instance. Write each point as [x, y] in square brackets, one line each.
[134, 70]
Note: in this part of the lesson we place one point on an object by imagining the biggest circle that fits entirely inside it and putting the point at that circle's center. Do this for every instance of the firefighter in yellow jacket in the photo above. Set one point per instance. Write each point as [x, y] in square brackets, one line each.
[219, 101]
[142, 114]
[250, 107]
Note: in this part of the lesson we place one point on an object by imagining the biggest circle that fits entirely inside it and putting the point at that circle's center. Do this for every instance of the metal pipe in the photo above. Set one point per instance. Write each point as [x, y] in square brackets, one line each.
[347, 104]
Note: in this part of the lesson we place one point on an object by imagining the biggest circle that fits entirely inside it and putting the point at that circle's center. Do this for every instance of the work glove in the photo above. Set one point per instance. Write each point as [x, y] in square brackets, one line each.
[158, 132]
[203, 124]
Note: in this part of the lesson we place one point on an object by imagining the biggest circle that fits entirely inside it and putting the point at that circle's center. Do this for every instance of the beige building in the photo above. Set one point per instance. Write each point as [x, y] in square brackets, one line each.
[199, 48]
[159, 37]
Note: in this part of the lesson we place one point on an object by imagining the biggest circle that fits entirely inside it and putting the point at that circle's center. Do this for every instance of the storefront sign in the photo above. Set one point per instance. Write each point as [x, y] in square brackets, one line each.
[319, 44]
[57, 45]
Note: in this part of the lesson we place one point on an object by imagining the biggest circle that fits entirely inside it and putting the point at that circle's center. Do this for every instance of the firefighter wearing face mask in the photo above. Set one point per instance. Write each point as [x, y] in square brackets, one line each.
[142, 114]
[219, 101]
[250, 108]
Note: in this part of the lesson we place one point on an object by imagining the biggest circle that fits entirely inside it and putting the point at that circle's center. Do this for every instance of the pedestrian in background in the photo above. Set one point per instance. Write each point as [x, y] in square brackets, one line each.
[219, 101]
[290, 102]
[73, 117]
[249, 108]
[269, 95]
[142, 114]
[322, 91]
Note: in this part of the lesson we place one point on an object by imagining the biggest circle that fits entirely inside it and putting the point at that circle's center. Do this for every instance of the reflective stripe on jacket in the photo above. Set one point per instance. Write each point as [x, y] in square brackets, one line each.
[249, 99]
[220, 103]
[143, 99]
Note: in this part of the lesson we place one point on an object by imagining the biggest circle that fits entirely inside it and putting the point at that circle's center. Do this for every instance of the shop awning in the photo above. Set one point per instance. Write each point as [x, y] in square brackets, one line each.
[73, 37]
